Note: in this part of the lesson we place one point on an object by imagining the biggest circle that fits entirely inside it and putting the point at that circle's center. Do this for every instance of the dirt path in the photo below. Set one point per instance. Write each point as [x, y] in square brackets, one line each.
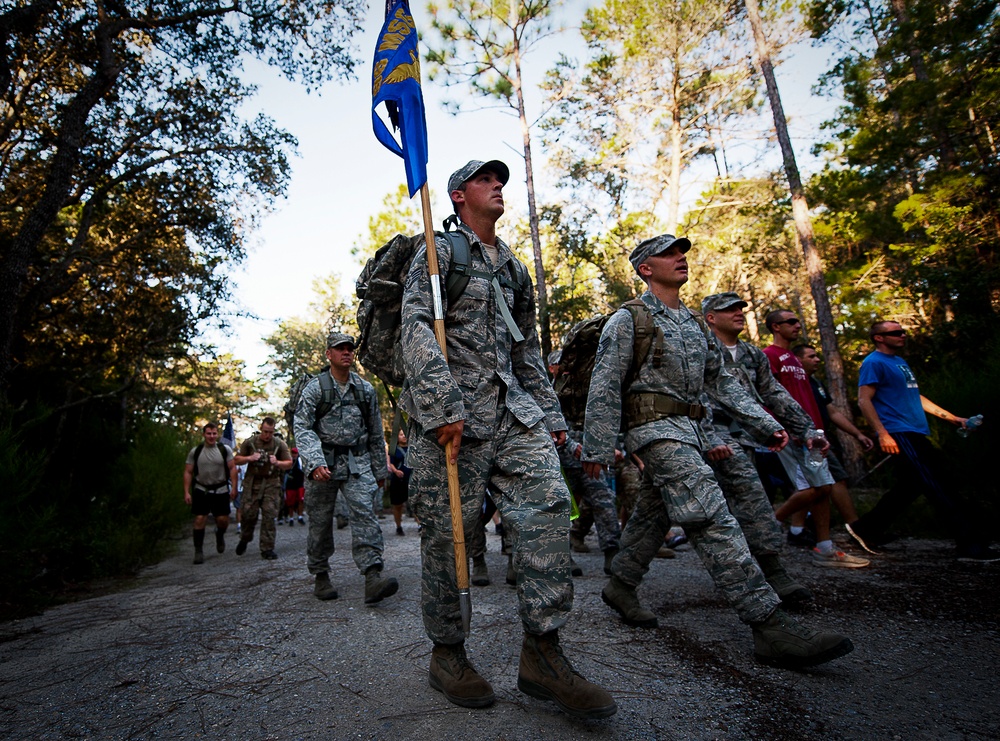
[238, 648]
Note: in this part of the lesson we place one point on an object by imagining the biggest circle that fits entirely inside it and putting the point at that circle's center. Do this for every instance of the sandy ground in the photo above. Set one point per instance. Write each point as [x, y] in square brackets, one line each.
[238, 648]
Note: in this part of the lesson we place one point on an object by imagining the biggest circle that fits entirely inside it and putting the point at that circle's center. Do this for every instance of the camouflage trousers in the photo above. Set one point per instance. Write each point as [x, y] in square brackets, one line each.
[596, 496]
[366, 535]
[679, 488]
[263, 499]
[628, 482]
[747, 500]
[521, 468]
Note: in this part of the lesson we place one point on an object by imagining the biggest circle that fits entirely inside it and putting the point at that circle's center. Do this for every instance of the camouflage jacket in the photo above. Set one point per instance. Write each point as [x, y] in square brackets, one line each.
[483, 358]
[753, 370]
[690, 365]
[343, 426]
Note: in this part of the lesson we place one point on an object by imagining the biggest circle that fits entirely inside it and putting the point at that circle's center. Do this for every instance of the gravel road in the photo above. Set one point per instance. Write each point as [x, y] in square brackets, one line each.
[238, 648]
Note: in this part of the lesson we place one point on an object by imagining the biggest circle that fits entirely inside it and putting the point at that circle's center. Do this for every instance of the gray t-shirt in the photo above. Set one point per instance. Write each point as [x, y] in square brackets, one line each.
[213, 472]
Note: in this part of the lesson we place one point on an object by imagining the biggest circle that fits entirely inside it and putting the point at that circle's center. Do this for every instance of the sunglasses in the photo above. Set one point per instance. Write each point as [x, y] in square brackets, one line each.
[788, 321]
[894, 333]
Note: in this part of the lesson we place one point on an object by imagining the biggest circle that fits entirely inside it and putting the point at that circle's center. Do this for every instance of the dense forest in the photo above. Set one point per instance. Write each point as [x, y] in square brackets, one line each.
[132, 183]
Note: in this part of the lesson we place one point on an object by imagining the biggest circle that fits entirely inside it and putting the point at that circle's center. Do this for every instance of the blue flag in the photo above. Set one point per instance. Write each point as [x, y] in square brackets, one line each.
[396, 82]
[229, 434]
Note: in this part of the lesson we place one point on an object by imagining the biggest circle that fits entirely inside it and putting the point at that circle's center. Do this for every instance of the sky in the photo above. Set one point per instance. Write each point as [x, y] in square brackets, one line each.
[343, 173]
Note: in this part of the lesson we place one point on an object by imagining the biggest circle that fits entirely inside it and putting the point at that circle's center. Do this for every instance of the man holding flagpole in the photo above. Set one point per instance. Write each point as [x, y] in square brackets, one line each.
[492, 401]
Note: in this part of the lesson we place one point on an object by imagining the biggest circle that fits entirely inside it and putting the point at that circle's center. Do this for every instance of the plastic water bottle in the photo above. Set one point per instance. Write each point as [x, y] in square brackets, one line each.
[971, 424]
[814, 456]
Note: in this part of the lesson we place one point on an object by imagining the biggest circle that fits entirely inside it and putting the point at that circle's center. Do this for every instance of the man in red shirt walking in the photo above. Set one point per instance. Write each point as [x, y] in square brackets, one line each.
[812, 483]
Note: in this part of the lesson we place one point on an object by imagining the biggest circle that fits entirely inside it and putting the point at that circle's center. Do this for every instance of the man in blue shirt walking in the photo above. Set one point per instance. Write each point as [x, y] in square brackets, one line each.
[890, 400]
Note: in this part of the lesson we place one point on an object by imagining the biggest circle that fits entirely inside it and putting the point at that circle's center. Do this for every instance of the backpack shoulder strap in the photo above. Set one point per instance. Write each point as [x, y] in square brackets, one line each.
[460, 269]
[197, 455]
[644, 330]
[326, 402]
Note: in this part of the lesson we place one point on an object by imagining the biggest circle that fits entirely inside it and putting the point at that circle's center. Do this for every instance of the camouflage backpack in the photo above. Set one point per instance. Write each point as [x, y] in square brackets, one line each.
[576, 364]
[380, 290]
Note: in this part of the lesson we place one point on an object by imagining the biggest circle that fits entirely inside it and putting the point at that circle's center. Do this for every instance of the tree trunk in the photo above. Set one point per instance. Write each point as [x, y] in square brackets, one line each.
[803, 226]
[545, 332]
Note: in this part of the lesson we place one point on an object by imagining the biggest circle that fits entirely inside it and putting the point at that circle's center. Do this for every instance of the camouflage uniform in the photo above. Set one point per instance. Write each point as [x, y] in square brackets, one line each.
[355, 455]
[593, 494]
[262, 492]
[500, 389]
[737, 474]
[679, 487]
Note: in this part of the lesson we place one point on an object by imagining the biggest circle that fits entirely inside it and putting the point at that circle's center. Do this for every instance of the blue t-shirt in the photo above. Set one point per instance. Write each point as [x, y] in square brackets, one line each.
[897, 397]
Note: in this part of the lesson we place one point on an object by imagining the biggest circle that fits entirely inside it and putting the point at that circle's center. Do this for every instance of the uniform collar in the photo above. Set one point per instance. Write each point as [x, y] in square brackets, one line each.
[504, 253]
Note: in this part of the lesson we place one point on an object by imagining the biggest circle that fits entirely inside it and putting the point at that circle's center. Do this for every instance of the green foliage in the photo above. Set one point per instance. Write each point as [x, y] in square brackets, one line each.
[100, 508]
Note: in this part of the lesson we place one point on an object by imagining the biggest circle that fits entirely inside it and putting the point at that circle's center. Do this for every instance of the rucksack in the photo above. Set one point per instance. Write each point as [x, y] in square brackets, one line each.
[197, 455]
[325, 404]
[380, 290]
[579, 351]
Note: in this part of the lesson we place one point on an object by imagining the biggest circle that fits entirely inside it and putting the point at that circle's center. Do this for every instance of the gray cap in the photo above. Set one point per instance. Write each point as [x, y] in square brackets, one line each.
[472, 168]
[654, 246]
[339, 338]
[720, 301]
[554, 357]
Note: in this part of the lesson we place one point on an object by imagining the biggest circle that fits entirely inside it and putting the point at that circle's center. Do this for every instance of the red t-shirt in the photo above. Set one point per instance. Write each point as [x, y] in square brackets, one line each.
[790, 374]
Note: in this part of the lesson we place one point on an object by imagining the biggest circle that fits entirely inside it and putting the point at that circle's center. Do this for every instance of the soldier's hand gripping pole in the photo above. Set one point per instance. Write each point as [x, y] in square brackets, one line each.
[454, 493]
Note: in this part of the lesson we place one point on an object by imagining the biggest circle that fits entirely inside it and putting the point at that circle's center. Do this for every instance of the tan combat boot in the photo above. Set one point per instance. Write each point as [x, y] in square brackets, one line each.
[622, 598]
[378, 587]
[791, 592]
[480, 573]
[324, 589]
[546, 674]
[452, 675]
[781, 641]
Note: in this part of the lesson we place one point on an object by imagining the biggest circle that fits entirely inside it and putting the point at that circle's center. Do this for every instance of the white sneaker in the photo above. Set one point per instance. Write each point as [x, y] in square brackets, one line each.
[837, 559]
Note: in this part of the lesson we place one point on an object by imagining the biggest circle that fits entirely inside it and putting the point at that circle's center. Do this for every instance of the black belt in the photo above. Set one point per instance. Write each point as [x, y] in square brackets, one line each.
[344, 449]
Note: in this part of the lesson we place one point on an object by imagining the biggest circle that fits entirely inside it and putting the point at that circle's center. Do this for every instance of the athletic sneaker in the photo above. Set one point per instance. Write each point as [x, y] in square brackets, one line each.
[302, 520]
[837, 559]
[805, 539]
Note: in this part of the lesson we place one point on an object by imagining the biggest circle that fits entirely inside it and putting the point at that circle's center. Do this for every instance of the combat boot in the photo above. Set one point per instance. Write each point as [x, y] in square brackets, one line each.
[480, 574]
[609, 556]
[545, 673]
[622, 598]
[577, 543]
[452, 675]
[511, 574]
[324, 589]
[574, 568]
[781, 641]
[220, 541]
[199, 539]
[790, 591]
[378, 587]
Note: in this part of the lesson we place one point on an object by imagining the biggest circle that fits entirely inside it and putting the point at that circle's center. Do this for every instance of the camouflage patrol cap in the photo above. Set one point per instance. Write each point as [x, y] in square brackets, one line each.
[720, 301]
[654, 246]
[473, 167]
[339, 338]
[554, 357]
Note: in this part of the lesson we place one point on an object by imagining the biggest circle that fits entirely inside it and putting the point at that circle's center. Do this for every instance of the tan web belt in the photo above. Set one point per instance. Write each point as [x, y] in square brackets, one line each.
[643, 408]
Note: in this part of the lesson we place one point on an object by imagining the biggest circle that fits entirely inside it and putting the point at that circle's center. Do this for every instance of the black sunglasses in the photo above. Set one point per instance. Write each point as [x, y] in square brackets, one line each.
[793, 320]
[894, 333]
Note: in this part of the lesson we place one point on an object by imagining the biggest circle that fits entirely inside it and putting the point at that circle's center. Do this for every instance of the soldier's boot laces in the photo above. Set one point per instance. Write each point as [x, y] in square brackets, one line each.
[609, 556]
[378, 587]
[622, 598]
[790, 591]
[781, 641]
[480, 573]
[452, 675]
[324, 589]
[545, 673]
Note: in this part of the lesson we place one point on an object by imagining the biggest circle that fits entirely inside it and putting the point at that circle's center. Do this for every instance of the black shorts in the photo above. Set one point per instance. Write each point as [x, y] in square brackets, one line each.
[837, 469]
[203, 503]
[398, 490]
